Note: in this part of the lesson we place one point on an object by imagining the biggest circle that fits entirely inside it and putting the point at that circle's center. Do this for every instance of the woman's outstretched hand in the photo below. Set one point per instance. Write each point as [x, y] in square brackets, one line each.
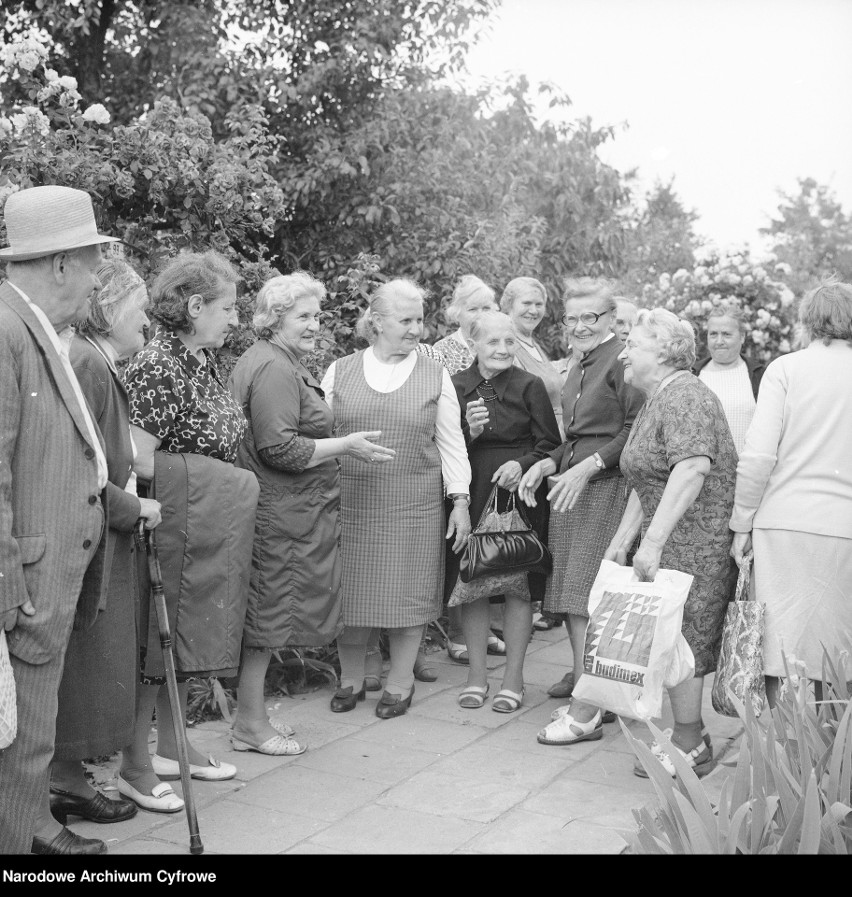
[364, 447]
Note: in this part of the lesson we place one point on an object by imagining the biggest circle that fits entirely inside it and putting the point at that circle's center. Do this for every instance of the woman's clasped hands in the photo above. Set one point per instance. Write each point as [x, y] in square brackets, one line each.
[364, 447]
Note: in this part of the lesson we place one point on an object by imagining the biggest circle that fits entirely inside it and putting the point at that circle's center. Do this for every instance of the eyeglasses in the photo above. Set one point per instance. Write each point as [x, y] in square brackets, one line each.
[588, 318]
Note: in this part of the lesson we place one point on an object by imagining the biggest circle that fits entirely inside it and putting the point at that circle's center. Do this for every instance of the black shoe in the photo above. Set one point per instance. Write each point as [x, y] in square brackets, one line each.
[563, 688]
[608, 717]
[390, 705]
[66, 843]
[425, 672]
[345, 699]
[96, 809]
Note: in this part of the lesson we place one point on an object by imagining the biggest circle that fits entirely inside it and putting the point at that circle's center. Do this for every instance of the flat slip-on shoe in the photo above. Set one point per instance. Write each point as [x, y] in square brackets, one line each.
[162, 798]
[562, 688]
[390, 705]
[215, 771]
[96, 809]
[66, 843]
[345, 699]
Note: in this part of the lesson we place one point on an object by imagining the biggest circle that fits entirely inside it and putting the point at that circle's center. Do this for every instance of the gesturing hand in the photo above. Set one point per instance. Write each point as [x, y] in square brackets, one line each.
[364, 447]
[529, 483]
[565, 493]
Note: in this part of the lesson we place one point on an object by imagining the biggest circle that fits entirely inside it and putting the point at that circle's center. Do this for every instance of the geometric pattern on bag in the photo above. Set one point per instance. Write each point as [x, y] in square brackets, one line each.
[624, 627]
[740, 667]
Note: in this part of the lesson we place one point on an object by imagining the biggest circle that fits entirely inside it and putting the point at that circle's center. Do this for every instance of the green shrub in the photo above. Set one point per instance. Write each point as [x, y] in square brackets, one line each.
[791, 791]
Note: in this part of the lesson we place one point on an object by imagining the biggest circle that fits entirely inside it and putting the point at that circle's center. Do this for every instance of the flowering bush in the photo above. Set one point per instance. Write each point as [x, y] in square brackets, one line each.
[162, 182]
[758, 288]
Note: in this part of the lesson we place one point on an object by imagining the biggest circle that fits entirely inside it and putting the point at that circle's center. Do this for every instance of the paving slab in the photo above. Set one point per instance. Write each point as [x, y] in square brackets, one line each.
[443, 794]
[523, 832]
[440, 779]
[387, 829]
[310, 792]
[232, 827]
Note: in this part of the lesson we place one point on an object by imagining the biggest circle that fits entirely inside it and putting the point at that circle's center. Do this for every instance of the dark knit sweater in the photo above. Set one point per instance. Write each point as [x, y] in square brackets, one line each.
[598, 409]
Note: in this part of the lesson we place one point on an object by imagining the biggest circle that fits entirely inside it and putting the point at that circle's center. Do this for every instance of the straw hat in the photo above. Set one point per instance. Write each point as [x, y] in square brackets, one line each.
[43, 220]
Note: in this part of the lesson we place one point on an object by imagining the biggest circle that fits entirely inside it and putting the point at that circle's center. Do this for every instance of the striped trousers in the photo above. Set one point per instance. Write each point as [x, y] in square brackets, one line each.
[25, 764]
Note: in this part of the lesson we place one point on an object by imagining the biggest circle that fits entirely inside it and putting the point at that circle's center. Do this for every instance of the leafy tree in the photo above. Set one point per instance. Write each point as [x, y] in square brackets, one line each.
[660, 238]
[812, 234]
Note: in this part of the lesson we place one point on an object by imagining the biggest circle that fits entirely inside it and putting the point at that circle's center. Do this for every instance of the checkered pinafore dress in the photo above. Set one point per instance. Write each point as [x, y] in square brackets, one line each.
[392, 514]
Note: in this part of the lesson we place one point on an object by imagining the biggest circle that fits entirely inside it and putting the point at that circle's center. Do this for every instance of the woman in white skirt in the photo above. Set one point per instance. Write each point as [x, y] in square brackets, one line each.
[793, 500]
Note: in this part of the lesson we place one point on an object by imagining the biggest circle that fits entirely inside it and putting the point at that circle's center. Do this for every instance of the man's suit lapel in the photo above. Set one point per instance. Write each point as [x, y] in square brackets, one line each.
[52, 360]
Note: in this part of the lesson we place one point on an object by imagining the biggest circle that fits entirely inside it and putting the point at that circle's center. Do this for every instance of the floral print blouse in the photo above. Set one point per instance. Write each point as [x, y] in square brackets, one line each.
[181, 400]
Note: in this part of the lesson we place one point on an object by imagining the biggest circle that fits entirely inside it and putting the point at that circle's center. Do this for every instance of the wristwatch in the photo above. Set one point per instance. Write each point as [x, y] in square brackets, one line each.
[598, 461]
[456, 496]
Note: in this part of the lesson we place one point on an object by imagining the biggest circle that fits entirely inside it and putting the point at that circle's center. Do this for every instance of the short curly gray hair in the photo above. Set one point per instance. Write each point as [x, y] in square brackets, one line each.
[826, 312]
[279, 294]
[675, 337]
[584, 287]
[119, 283]
[189, 274]
[381, 302]
[469, 285]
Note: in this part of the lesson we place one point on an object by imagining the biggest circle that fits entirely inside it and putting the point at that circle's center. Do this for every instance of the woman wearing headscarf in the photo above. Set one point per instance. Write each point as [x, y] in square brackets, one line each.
[393, 524]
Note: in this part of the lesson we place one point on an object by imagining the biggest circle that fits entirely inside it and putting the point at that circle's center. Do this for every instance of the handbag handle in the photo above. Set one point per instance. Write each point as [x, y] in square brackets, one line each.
[744, 578]
[491, 508]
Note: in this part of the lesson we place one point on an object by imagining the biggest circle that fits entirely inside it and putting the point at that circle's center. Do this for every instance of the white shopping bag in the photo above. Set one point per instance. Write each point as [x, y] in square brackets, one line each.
[634, 646]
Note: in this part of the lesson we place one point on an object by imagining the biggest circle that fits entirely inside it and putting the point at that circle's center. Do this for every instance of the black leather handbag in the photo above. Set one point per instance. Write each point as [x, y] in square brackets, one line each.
[511, 547]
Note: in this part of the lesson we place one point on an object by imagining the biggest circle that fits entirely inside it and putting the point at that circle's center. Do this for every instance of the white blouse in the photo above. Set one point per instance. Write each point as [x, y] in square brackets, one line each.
[449, 440]
[732, 385]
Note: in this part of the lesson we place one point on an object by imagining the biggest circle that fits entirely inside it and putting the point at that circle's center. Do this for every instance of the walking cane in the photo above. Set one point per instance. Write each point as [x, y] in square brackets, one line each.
[143, 537]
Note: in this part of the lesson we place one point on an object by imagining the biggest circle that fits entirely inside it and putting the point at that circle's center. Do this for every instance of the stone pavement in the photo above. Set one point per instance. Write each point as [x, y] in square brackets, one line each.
[438, 780]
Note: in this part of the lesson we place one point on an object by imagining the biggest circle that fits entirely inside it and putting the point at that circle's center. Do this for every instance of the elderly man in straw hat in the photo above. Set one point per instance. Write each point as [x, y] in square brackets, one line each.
[52, 472]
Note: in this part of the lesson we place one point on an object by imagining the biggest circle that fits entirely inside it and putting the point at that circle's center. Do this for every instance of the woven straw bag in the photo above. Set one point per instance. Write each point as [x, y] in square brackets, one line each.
[8, 705]
[740, 667]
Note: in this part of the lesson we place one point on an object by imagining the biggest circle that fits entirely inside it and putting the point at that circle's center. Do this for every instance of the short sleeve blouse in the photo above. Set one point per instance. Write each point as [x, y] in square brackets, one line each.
[181, 400]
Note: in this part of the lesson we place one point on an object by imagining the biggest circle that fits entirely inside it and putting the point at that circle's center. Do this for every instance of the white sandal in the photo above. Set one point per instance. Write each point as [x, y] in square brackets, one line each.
[700, 768]
[277, 746]
[563, 730]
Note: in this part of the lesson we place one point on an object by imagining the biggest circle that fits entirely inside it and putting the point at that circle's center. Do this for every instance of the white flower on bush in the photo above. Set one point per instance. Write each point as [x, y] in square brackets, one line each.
[665, 281]
[759, 337]
[680, 275]
[694, 308]
[785, 295]
[97, 114]
[748, 280]
[28, 61]
[51, 75]
[706, 305]
[759, 274]
[784, 346]
[68, 82]
[5, 127]
[31, 117]
[763, 315]
[783, 268]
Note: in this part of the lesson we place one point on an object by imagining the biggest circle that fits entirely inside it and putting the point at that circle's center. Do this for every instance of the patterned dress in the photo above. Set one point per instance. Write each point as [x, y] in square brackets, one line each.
[392, 542]
[682, 420]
